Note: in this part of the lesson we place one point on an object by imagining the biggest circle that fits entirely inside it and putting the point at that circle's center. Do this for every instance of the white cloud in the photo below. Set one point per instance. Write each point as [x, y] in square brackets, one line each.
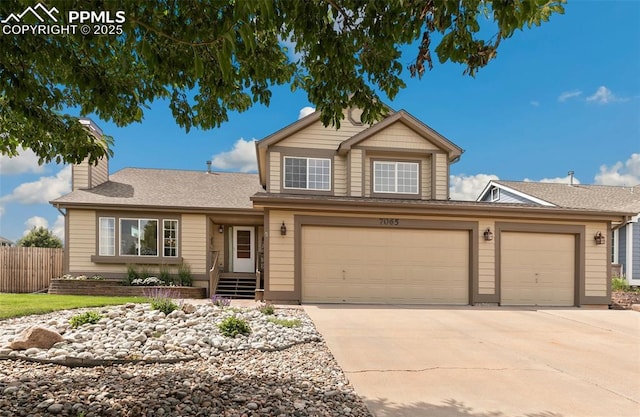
[35, 221]
[468, 187]
[604, 96]
[1, 211]
[627, 173]
[534, 103]
[58, 227]
[557, 180]
[566, 95]
[305, 111]
[241, 158]
[43, 190]
[25, 162]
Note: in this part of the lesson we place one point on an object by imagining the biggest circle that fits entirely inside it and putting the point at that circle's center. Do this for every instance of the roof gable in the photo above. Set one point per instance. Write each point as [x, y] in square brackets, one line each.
[412, 123]
[583, 196]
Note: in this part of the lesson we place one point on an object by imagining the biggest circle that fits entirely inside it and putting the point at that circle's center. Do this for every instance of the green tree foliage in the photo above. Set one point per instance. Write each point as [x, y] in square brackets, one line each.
[40, 237]
[212, 57]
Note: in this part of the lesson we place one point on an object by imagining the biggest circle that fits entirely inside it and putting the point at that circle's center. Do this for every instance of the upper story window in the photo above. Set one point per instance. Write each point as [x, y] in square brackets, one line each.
[495, 194]
[395, 177]
[307, 173]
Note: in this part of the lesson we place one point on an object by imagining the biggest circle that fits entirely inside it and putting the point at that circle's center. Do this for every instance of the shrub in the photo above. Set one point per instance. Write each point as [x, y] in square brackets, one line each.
[88, 317]
[233, 326]
[161, 300]
[220, 301]
[620, 284]
[285, 322]
[132, 274]
[185, 278]
[164, 274]
[147, 281]
[267, 309]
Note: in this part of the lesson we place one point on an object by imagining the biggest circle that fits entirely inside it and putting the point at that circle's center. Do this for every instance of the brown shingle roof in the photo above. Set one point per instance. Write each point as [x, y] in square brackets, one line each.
[169, 188]
[591, 197]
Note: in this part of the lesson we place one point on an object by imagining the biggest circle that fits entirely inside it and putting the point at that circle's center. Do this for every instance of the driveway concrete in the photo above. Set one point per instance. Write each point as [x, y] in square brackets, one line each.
[487, 362]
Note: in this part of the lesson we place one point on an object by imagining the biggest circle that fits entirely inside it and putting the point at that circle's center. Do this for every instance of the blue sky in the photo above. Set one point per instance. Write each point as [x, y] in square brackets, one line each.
[561, 97]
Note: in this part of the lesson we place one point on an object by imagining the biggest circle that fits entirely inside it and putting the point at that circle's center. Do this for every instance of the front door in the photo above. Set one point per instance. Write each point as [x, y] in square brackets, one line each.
[243, 249]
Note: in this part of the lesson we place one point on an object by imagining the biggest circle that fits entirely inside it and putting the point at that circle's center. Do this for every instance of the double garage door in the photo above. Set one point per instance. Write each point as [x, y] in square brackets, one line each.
[380, 265]
[418, 266]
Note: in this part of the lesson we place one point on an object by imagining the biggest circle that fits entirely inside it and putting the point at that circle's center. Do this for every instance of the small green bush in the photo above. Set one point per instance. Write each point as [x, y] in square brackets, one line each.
[233, 326]
[185, 278]
[620, 284]
[132, 274]
[144, 272]
[88, 317]
[267, 309]
[161, 299]
[164, 274]
[166, 305]
[285, 322]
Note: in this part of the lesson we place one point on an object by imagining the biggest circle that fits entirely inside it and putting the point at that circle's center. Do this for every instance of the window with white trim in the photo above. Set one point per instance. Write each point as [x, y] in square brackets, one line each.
[307, 173]
[138, 237]
[170, 237]
[495, 194]
[395, 177]
[107, 245]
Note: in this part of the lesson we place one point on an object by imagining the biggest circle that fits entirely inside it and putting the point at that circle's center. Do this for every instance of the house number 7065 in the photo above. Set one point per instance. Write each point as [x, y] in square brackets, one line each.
[389, 222]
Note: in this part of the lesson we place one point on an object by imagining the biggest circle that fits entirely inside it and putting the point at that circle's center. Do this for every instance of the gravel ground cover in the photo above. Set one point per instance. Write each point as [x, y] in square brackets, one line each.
[275, 371]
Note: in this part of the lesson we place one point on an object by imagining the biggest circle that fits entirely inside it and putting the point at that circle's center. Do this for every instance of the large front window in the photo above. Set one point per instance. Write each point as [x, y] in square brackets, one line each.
[395, 177]
[307, 173]
[139, 237]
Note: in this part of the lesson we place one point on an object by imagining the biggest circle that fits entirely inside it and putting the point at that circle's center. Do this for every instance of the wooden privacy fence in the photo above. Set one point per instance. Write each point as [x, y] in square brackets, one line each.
[29, 269]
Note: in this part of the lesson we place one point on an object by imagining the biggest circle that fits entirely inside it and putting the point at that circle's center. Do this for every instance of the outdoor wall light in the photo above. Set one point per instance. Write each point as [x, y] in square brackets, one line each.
[283, 229]
[488, 235]
[599, 238]
[221, 229]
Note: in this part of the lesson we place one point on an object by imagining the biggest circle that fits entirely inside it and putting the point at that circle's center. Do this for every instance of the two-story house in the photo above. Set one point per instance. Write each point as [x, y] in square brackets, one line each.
[356, 215]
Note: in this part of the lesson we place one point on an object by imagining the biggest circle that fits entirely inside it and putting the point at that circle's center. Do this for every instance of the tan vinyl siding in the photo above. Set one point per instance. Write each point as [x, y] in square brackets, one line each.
[194, 242]
[281, 252]
[398, 136]
[442, 180]
[355, 157]
[99, 173]
[80, 177]
[339, 176]
[596, 262]
[274, 172]
[486, 260]
[426, 178]
[81, 244]
[317, 136]
[366, 176]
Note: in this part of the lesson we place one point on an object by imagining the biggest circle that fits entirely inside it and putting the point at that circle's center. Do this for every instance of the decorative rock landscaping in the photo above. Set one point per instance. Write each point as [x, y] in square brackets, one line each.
[274, 371]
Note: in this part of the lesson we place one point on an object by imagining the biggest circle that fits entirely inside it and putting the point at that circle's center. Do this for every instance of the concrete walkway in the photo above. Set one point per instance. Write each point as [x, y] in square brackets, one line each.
[487, 362]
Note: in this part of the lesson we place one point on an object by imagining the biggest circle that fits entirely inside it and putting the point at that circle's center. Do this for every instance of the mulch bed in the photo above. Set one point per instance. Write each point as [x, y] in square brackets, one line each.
[622, 300]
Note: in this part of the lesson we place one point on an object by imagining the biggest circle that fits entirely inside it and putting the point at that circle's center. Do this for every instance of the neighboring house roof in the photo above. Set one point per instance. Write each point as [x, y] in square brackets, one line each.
[591, 197]
[5, 241]
[408, 120]
[136, 187]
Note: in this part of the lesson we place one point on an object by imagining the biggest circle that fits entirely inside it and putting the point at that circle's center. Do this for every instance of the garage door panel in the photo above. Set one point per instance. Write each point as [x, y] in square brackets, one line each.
[537, 269]
[385, 265]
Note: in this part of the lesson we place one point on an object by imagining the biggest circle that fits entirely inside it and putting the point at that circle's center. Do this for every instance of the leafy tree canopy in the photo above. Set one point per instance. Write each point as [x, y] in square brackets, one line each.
[209, 57]
[40, 237]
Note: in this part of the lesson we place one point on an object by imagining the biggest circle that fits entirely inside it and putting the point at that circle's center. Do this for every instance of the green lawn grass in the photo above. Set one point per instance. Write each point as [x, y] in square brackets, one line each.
[17, 305]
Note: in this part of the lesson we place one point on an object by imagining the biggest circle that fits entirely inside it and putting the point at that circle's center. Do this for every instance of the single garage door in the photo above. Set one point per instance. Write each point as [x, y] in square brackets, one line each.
[395, 266]
[537, 269]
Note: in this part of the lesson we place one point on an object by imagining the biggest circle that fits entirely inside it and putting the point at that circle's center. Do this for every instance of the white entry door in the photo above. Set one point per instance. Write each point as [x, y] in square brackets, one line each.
[243, 249]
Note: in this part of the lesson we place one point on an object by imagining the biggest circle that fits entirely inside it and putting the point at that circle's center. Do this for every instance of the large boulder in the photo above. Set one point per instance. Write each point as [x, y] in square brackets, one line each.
[36, 337]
